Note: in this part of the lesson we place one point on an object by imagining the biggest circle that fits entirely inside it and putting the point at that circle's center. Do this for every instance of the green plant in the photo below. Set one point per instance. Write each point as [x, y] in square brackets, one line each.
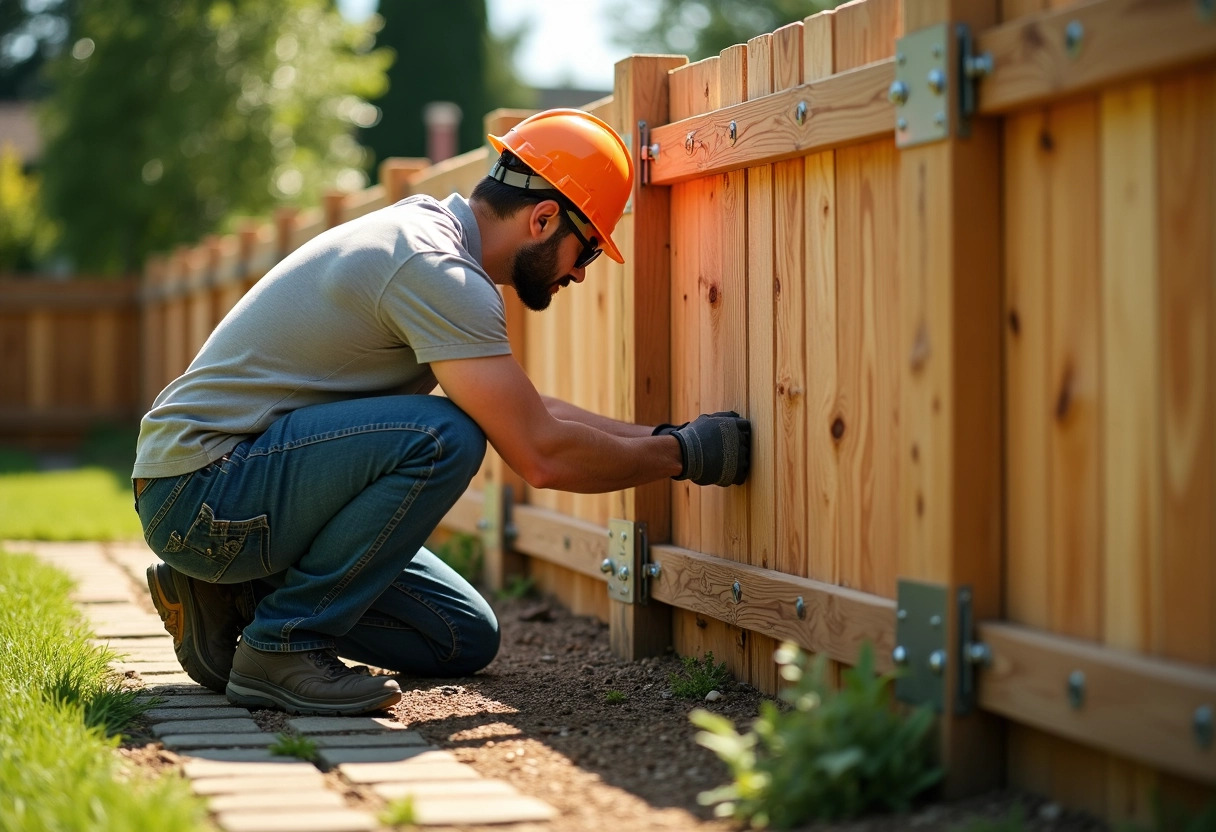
[698, 677]
[1013, 822]
[615, 697]
[520, 586]
[59, 718]
[829, 754]
[399, 812]
[294, 745]
[463, 553]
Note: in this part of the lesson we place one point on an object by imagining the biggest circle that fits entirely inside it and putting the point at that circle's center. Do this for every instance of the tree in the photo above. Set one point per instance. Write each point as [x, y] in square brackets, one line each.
[31, 33]
[703, 28]
[25, 235]
[169, 119]
[444, 52]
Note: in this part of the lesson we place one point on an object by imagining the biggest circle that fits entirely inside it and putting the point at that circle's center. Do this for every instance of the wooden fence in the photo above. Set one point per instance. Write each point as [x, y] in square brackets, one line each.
[979, 355]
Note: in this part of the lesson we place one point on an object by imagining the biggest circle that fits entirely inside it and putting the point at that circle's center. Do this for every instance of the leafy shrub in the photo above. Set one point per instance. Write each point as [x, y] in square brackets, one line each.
[829, 755]
[698, 677]
[463, 553]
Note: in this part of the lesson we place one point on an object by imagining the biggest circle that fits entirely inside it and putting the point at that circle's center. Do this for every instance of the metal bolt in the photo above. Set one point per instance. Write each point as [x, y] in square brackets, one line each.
[901, 123]
[979, 66]
[1074, 33]
[897, 93]
[623, 573]
[939, 119]
[607, 566]
[734, 133]
[937, 81]
[1202, 724]
[899, 655]
[902, 615]
[800, 607]
[937, 662]
[653, 569]
[901, 58]
[937, 50]
[800, 113]
[736, 591]
[935, 621]
[979, 653]
[1076, 689]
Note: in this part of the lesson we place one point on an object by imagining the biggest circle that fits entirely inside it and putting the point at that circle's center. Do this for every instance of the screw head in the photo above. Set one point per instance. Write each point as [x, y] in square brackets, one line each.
[935, 621]
[654, 569]
[734, 132]
[800, 112]
[623, 573]
[736, 591]
[800, 607]
[937, 81]
[1076, 689]
[1074, 34]
[937, 662]
[607, 565]
[900, 654]
[897, 93]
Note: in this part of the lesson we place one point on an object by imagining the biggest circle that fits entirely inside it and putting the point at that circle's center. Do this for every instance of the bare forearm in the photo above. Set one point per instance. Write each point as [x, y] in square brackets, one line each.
[567, 412]
[583, 459]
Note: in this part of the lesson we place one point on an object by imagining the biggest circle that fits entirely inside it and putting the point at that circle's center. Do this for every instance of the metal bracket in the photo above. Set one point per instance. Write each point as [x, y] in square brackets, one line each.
[496, 526]
[924, 647]
[935, 91]
[627, 564]
[647, 152]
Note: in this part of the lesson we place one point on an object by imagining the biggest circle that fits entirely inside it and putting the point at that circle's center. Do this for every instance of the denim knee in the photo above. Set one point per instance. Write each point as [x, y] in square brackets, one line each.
[479, 646]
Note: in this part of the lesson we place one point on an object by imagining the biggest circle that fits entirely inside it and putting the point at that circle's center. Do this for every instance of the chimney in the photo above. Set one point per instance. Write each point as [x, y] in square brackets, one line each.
[442, 120]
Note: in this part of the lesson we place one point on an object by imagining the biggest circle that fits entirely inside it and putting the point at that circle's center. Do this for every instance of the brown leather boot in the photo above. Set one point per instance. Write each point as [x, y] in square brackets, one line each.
[204, 620]
[311, 682]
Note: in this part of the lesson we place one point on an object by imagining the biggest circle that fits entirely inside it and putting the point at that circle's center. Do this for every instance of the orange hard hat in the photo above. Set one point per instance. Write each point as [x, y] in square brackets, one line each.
[582, 158]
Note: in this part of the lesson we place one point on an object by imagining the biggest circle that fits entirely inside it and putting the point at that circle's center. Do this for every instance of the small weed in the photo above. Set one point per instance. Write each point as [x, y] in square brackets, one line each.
[294, 745]
[399, 813]
[833, 754]
[615, 697]
[520, 586]
[1015, 821]
[463, 553]
[698, 677]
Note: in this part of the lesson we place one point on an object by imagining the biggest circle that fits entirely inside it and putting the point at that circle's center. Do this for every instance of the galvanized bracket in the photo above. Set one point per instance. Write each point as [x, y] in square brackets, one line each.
[647, 152]
[925, 646]
[935, 91]
[496, 526]
[627, 564]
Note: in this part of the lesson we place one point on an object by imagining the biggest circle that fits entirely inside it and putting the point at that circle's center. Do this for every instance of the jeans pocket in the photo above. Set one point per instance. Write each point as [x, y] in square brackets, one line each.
[211, 545]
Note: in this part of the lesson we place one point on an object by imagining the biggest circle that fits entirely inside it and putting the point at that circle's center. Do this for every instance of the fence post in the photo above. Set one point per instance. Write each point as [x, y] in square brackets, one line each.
[641, 335]
[395, 174]
[950, 406]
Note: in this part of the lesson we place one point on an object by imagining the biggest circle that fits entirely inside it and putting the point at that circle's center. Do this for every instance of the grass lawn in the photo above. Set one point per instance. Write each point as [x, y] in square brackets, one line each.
[91, 500]
[59, 717]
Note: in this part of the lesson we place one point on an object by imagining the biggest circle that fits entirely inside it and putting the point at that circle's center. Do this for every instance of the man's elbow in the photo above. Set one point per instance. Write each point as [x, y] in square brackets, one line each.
[539, 473]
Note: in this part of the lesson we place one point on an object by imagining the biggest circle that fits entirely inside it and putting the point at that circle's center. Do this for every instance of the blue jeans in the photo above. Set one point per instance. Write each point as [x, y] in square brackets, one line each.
[327, 512]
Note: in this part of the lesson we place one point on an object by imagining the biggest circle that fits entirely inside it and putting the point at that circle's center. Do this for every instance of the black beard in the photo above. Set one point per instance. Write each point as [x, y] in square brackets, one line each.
[533, 270]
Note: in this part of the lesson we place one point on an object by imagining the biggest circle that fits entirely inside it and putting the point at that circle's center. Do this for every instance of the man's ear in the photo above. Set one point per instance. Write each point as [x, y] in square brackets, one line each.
[543, 215]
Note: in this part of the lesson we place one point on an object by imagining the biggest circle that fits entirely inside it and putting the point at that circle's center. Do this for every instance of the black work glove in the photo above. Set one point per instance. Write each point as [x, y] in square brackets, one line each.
[716, 449]
[666, 429]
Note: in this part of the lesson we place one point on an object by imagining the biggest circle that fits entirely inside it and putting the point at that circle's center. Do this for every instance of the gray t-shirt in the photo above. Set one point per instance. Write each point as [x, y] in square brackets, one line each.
[358, 311]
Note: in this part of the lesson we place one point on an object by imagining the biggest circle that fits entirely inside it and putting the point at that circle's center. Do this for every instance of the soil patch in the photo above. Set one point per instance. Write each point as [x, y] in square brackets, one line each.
[607, 743]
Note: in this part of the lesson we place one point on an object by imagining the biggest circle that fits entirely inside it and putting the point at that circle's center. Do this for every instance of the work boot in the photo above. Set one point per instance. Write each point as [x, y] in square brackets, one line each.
[311, 682]
[204, 620]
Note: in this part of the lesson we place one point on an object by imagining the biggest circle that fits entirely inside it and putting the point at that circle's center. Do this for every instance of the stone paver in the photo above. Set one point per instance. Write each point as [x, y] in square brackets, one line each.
[225, 754]
[312, 820]
[235, 725]
[252, 739]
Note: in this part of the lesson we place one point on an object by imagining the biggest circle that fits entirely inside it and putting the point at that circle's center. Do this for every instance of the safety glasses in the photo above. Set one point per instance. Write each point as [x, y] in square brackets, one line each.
[585, 234]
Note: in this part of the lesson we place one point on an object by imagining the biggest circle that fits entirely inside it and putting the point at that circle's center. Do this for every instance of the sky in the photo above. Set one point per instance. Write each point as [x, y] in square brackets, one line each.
[568, 43]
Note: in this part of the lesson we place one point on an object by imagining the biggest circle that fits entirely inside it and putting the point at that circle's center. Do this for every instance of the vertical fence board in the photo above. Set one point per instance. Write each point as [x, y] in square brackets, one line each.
[867, 181]
[1132, 397]
[823, 499]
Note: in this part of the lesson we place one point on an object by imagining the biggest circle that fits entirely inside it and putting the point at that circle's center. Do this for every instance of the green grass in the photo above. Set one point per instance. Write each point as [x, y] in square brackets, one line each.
[91, 501]
[59, 716]
[294, 745]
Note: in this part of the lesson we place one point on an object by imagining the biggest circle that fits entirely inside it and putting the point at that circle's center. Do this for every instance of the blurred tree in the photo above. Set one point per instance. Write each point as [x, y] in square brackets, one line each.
[445, 52]
[31, 32]
[169, 119]
[703, 28]
[26, 236]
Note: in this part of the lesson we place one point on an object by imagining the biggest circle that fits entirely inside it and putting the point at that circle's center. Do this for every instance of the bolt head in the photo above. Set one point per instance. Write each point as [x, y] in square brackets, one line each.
[900, 654]
[897, 93]
[623, 573]
[937, 661]
[607, 565]
[937, 81]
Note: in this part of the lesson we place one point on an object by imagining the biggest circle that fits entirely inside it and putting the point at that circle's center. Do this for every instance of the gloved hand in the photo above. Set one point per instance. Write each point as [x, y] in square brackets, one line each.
[716, 448]
[666, 429]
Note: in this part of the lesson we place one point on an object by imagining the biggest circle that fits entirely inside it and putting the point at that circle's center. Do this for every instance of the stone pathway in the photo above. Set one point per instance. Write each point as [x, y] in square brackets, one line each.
[225, 754]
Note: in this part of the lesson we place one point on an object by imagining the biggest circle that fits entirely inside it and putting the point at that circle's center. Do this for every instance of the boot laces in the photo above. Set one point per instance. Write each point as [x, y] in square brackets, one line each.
[327, 662]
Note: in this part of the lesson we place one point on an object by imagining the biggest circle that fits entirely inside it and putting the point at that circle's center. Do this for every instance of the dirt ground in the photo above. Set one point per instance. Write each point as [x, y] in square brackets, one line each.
[540, 716]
